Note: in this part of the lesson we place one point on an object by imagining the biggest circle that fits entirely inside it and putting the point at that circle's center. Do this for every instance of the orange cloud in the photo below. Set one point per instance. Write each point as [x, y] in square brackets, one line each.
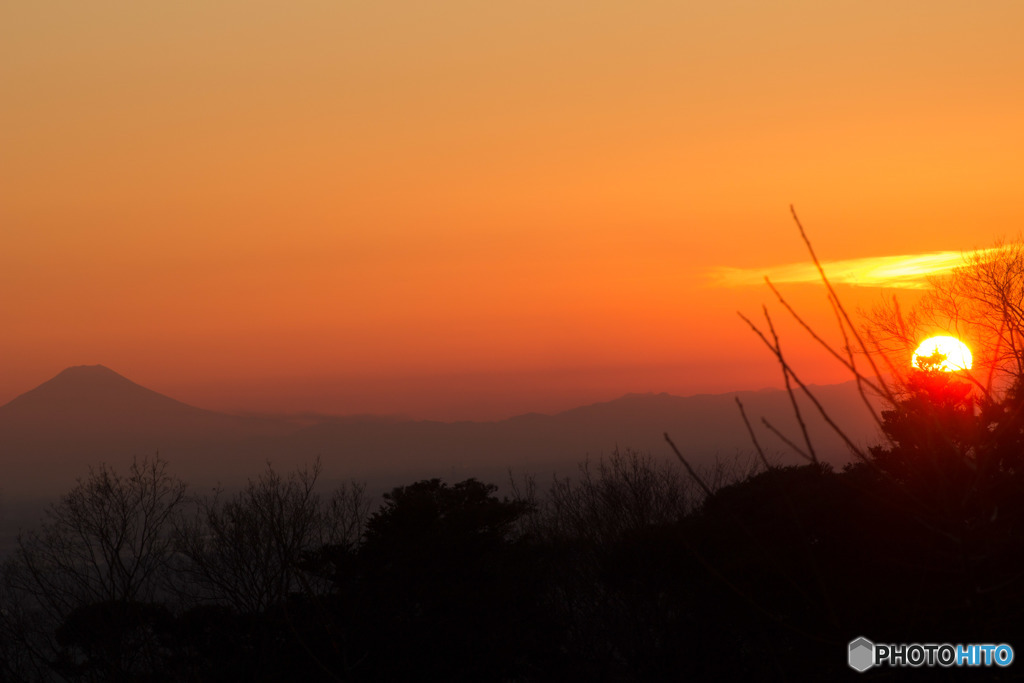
[909, 271]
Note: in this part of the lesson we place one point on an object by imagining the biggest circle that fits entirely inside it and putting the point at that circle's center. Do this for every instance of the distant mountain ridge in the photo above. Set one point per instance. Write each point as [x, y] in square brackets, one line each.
[89, 414]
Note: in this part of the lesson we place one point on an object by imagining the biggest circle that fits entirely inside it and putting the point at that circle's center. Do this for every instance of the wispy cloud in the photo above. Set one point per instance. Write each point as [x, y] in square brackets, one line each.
[909, 271]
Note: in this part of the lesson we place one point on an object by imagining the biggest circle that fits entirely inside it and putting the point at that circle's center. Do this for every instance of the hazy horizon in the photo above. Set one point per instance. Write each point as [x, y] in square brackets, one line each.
[477, 397]
[91, 414]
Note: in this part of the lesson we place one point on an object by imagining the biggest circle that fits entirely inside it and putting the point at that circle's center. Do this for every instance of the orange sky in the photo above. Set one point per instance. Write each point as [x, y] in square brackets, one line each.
[468, 209]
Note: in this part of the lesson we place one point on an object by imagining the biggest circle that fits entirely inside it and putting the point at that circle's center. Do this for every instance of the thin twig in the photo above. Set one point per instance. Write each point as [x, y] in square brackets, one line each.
[789, 443]
[880, 389]
[789, 388]
[753, 437]
[837, 303]
[693, 473]
[814, 335]
[856, 451]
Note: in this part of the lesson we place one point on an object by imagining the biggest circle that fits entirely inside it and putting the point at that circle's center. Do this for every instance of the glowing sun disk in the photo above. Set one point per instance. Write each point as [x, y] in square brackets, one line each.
[954, 353]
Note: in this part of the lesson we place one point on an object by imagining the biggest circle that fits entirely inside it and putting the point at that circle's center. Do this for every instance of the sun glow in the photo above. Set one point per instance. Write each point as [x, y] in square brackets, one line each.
[948, 353]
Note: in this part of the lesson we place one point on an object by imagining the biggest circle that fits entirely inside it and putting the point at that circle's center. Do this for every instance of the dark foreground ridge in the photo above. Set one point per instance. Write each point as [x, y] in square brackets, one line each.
[627, 573]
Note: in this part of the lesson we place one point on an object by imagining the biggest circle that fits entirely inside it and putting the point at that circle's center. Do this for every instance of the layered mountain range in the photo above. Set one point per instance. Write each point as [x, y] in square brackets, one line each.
[85, 415]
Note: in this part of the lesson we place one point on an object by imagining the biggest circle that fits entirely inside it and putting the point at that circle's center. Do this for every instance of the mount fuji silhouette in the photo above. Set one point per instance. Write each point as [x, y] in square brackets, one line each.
[94, 400]
[89, 414]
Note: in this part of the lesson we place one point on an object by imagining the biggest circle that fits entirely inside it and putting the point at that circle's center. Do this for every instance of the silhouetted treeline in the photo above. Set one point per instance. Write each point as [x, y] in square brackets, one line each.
[625, 573]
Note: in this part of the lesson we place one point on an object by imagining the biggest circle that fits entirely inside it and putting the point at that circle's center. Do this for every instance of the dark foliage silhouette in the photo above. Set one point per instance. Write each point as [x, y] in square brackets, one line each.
[452, 591]
[116, 640]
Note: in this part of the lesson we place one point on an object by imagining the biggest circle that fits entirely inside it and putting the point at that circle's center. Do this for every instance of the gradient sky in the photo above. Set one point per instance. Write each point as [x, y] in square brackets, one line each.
[473, 209]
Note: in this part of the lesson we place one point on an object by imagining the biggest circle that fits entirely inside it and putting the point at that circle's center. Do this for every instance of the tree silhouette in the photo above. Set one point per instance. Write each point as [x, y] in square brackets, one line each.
[97, 558]
[249, 550]
[623, 493]
[932, 430]
[454, 594]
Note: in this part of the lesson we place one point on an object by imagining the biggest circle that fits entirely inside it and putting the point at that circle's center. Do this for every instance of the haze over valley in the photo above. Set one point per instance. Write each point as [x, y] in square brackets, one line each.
[52, 434]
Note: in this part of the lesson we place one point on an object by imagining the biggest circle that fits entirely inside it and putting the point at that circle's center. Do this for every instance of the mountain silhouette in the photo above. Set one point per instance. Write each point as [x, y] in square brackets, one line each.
[95, 399]
[90, 414]
[708, 428]
[86, 415]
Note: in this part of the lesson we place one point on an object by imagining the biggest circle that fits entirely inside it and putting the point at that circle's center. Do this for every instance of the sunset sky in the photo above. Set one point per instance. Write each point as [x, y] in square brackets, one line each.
[475, 209]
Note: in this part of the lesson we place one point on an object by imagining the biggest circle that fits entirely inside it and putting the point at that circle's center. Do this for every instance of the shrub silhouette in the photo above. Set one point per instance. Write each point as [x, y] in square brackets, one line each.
[117, 640]
[250, 550]
[455, 596]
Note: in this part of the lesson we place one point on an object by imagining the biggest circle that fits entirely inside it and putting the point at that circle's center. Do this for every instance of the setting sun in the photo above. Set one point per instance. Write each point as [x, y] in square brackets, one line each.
[956, 355]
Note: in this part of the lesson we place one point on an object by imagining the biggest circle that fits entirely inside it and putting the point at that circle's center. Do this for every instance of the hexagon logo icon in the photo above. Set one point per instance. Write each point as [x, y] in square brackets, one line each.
[862, 654]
